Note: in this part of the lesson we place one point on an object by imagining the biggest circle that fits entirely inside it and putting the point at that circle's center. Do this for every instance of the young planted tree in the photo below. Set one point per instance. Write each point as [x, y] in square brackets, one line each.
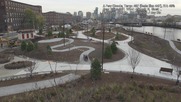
[109, 29]
[23, 46]
[49, 50]
[114, 47]
[67, 33]
[50, 34]
[117, 36]
[31, 69]
[93, 31]
[108, 52]
[61, 34]
[30, 46]
[70, 30]
[95, 69]
[177, 69]
[134, 59]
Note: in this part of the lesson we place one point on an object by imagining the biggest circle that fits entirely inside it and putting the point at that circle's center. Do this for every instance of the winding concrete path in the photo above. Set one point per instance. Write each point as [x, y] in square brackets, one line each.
[90, 49]
[20, 88]
[174, 47]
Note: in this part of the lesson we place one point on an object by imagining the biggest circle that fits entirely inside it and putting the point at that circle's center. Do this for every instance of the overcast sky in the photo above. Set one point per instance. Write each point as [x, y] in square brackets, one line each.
[89, 5]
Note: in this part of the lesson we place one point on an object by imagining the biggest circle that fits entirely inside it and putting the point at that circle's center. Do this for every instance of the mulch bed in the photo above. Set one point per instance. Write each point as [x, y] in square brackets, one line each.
[4, 58]
[28, 79]
[99, 35]
[18, 65]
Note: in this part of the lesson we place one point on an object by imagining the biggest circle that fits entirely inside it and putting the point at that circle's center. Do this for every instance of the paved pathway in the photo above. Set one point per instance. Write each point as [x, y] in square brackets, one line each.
[81, 59]
[20, 88]
[174, 47]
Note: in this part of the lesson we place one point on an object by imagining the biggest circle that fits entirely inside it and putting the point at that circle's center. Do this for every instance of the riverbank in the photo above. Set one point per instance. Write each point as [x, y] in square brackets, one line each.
[153, 46]
[159, 25]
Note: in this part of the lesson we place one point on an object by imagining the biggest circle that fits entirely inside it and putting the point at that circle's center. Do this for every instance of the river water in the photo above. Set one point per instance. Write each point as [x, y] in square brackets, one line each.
[168, 33]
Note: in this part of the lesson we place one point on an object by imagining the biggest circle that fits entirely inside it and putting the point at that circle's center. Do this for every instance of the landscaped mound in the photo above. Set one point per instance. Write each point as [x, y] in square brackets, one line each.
[18, 65]
[4, 58]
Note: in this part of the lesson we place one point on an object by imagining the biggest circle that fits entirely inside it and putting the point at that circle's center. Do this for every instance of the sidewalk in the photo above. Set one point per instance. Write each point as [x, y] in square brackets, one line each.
[20, 88]
[174, 47]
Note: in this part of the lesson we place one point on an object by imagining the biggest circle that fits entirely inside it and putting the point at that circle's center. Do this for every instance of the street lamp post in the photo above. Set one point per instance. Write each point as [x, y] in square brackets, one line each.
[103, 32]
[63, 32]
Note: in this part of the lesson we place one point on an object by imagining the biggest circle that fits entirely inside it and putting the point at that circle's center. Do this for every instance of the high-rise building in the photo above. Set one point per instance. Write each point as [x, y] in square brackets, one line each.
[12, 14]
[75, 13]
[80, 13]
[96, 13]
[88, 15]
[53, 18]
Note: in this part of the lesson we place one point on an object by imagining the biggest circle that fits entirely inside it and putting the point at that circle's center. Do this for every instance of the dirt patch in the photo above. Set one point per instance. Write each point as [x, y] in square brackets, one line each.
[33, 79]
[18, 65]
[99, 35]
[121, 37]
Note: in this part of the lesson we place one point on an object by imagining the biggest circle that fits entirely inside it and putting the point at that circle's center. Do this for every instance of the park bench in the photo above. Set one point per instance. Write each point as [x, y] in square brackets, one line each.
[166, 70]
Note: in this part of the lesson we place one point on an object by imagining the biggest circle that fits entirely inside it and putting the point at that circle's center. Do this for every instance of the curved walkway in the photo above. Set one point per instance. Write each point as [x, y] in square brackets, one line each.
[81, 59]
[148, 65]
[174, 47]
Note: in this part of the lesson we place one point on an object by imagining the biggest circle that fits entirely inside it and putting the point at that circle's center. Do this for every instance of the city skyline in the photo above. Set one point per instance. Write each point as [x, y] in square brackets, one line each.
[90, 5]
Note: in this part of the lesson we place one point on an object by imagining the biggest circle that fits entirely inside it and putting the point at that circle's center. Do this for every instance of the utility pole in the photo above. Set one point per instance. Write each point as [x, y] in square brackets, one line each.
[63, 32]
[103, 32]
[132, 32]
[87, 31]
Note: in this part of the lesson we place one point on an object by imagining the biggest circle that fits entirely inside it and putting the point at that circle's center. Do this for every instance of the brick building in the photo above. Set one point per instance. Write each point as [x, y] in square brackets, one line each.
[55, 19]
[12, 14]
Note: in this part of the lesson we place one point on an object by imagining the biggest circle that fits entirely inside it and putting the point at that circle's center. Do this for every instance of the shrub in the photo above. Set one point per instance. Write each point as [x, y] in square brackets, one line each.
[67, 33]
[117, 36]
[70, 30]
[108, 52]
[109, 29]
[23, 46]
[93, 31]
[95, 69]
[36, 45]
[40, 31]
[49, 50]
[18, 65]
[30, 46]
[50, 34]
[59, 35]
[114, 47]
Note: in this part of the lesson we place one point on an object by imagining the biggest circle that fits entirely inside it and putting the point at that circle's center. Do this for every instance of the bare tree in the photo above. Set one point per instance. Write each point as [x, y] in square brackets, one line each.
[31, 69]
[178, 72]
[133, 59]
